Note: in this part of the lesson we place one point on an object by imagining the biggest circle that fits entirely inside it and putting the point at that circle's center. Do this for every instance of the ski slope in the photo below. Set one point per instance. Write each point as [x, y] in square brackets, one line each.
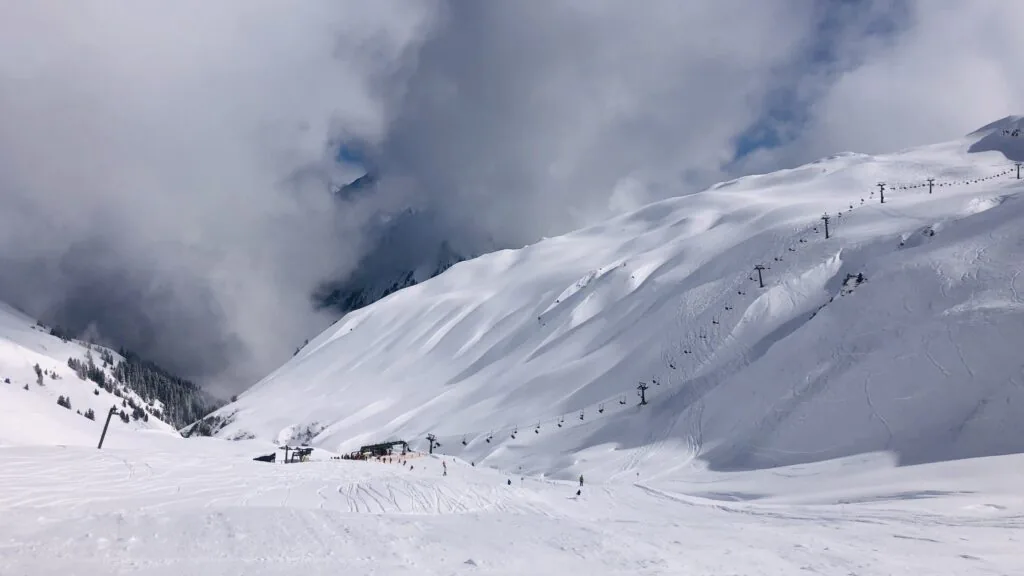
[29, 413]
[156, 506]
[531, 358]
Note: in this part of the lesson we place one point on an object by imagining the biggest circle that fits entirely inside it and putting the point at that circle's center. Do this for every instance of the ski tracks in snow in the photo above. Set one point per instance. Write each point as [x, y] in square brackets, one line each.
[874, 411]
[349, 487]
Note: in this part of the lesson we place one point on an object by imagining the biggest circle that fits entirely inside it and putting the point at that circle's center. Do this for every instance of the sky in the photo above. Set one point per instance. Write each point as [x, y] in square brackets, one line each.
[165, 168]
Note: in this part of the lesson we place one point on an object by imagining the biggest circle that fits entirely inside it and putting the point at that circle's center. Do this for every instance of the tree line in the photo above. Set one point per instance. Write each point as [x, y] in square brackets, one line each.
[183, 402]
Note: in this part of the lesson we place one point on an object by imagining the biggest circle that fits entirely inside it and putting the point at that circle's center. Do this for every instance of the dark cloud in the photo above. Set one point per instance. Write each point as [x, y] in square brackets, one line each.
[165, 167]
[112, 299]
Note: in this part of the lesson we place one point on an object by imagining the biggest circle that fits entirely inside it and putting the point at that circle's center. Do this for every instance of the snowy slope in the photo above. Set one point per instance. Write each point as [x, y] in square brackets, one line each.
[921, 359]
[203, 507]
[32, 416]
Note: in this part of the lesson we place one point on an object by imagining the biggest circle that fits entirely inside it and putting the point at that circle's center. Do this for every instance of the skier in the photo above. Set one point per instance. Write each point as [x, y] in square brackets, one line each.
[509, 481]
[581, 480]
[445, 466]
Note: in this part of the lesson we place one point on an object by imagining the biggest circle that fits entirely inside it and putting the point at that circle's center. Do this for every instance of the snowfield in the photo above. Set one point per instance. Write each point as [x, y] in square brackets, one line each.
[861, 413]
[192, 507]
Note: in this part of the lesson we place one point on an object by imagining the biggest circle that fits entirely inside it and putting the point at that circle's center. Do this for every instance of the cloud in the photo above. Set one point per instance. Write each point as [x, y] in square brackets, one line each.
[524, 118]
[948, 67]
[164, 167]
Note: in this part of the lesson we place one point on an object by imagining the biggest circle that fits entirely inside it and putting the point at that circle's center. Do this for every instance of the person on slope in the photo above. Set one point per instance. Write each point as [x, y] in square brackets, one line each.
[445, 466]
[581, 480]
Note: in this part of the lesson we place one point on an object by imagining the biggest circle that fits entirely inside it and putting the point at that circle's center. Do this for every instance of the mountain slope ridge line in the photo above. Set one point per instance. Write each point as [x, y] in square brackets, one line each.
[576, 318]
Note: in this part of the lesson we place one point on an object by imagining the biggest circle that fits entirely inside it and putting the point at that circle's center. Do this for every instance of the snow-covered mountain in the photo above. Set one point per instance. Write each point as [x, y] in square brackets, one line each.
[899, 332]
[380, 274]
[29, 409]
[406, 248]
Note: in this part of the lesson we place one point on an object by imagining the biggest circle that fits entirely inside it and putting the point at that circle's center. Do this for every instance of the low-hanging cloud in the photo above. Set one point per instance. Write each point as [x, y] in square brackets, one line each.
[165, 166]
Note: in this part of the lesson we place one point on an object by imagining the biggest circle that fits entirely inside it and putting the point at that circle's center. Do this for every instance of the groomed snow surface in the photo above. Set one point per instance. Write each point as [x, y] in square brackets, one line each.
[862, 413]
[196, 507]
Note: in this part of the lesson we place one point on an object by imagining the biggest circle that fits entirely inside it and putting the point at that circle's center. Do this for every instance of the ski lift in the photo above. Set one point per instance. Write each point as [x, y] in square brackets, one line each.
[727, 307]
[714, 321]
[623, 399]
[655, 380]
[581, 414]
[514, 432]
[464, 441]
[600, 409]
[791, 249]
[537, 429]
[672, 365]
[489, 436]
[561, 420]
